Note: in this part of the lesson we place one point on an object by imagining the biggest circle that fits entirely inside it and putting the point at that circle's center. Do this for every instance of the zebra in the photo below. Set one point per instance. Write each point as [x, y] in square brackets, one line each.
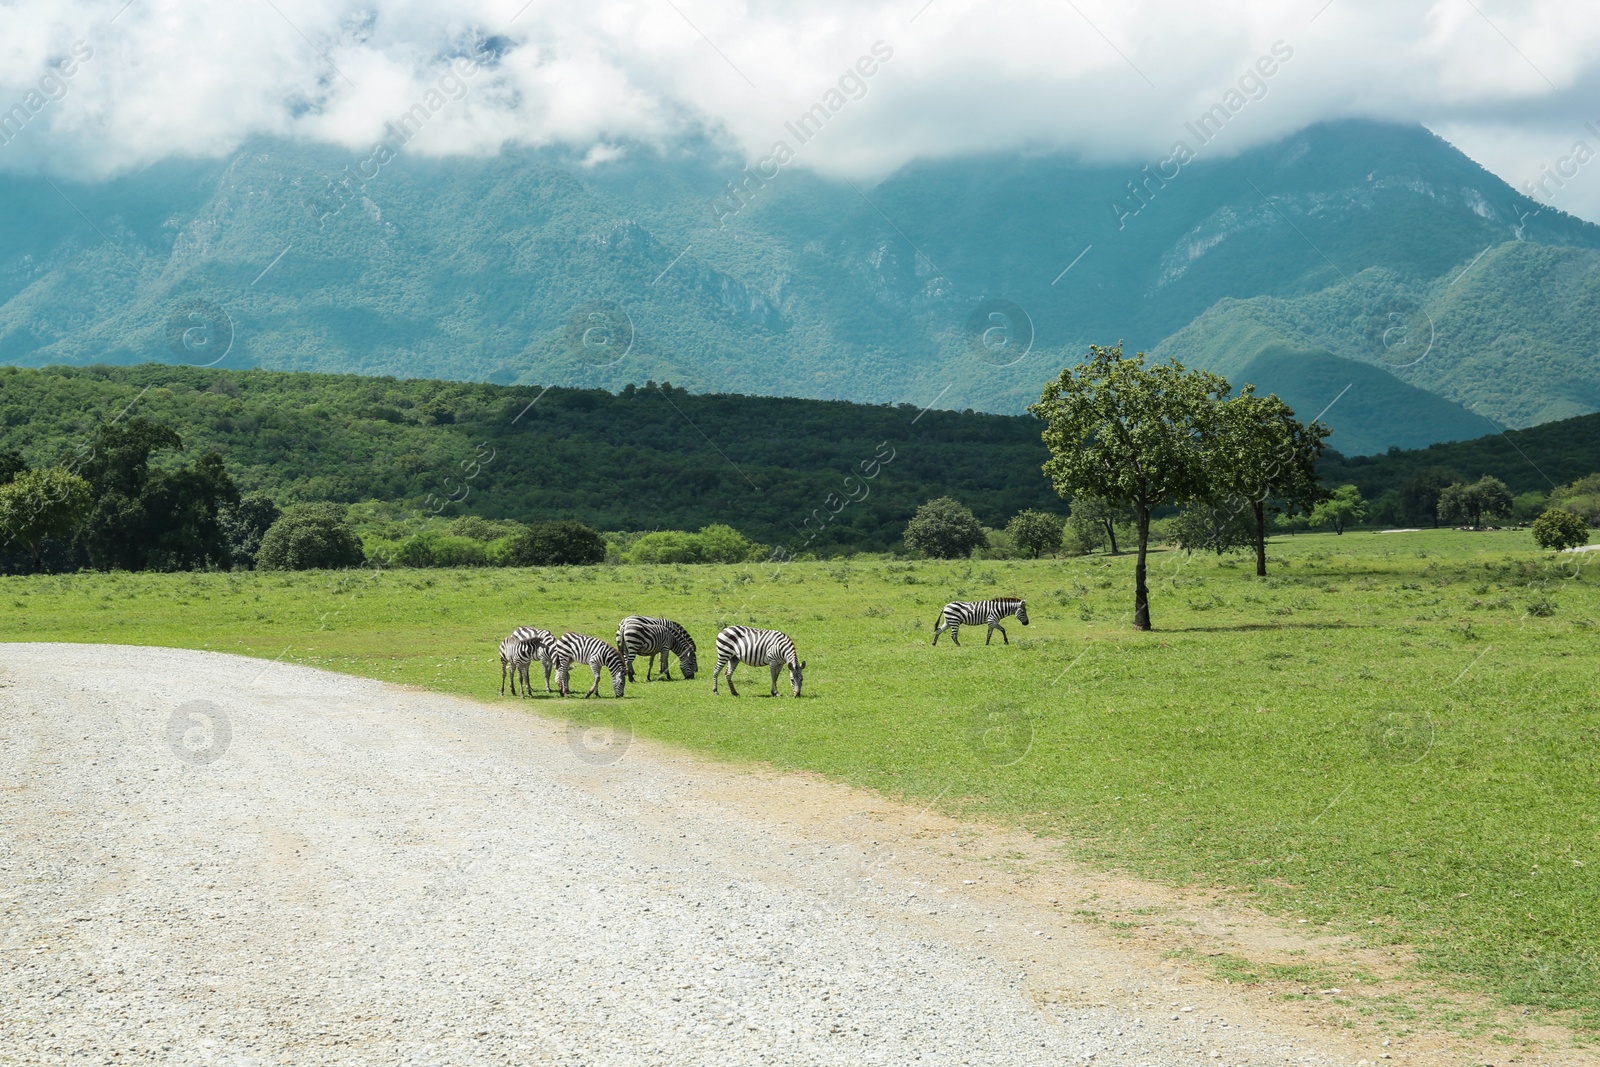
[638, 635]
[526, 643]
[581, 648]
[976, 613]
[757, 647]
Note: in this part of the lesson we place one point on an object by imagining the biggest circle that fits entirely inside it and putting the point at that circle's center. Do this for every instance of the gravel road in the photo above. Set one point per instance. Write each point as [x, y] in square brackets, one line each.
[211, 859]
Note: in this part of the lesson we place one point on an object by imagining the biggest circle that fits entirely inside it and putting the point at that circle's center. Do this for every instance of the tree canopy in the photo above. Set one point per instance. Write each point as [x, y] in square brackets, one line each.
[945, 529]
[1133, 435]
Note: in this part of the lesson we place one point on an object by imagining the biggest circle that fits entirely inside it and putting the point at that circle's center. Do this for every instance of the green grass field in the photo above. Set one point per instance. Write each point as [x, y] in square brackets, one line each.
[1394, 735]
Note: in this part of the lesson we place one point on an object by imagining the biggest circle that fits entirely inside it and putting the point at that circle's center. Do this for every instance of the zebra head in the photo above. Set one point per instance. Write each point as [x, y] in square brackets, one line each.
[688, 661]
[796, 673]
[1022, 612]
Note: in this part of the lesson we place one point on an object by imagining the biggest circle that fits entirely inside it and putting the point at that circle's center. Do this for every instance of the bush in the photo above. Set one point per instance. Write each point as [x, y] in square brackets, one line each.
[1559, 529]
[562, 543]
[944, 529]
[665, 546]
[432, 549]
[310, 537]
[713, 544]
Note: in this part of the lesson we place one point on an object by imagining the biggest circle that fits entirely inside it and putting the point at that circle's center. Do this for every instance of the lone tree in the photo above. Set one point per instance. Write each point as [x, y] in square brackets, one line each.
[36, 506]
[1132, 435]
[945, 529]
[1341, 509]
[1486, 498]
[1035, 531]
[1260, 460]
[1559, 529]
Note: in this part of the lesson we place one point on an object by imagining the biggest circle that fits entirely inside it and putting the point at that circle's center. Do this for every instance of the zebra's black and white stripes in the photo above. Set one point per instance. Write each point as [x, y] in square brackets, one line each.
[517, 651]
[640, 635]
[977, 613]
[581, 648]
[757, 647]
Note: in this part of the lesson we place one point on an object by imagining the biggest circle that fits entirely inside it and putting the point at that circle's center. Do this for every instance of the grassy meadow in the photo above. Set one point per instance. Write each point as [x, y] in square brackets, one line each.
[1396, 735]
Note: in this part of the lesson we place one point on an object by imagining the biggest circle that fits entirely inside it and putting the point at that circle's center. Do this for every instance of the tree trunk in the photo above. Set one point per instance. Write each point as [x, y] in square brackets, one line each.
[1111, 532]
[1261, 539]
[1141, 591]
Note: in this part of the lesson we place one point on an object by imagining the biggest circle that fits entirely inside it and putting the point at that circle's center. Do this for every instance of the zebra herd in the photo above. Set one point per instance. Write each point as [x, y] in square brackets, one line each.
[639, 635]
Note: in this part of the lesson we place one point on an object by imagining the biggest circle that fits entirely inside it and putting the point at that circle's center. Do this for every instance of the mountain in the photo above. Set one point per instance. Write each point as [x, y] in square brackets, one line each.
[1513, 333]
[958, 283]
[1367, 409]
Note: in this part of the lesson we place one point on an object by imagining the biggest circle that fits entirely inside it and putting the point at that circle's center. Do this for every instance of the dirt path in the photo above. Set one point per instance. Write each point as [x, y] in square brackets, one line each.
[210, 859]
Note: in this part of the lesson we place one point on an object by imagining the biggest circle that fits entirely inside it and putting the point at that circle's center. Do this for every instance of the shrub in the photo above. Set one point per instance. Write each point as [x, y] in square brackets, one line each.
[565, 542]
[1559, 529]
[308, 537]
[944, 529]
[432, 549]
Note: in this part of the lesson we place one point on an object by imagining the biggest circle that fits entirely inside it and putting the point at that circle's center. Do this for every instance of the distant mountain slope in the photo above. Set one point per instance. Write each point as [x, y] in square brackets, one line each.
[1514, 332]
[531, 267]
[1536, 459]
[1367, 409]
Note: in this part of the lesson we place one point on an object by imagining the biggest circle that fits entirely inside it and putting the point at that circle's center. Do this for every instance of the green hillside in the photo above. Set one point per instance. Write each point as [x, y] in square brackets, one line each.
[651, 457]
[527, 267]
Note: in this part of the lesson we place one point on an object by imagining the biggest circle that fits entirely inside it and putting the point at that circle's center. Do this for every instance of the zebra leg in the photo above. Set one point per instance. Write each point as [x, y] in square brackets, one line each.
[666, 672]
[527, 686]
[546, 662]
[777, 668]
[716, 675]
[594, 690]
[993, 625]
[502, 677]
[628, 662]
[732, 663]
[955, 634]
[938, 628]
[1002, 630]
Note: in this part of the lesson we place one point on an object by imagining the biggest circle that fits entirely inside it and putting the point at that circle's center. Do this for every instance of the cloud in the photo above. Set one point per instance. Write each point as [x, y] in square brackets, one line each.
[1510, 81]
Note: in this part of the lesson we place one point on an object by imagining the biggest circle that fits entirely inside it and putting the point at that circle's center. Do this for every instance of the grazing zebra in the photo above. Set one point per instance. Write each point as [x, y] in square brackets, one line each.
[976, 613]
[638, 635]
[757, 647]
[517, 652]
[581, 648]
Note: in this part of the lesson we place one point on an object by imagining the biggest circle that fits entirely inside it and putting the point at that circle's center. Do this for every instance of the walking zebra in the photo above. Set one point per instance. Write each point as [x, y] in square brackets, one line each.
[639, 635]
[526, 643]
[581, 648]
[757, 647]
[976, 613]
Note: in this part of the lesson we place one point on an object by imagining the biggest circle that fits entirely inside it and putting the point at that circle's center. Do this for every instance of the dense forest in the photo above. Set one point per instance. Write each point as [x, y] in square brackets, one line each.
[806, 475]
[649, 457]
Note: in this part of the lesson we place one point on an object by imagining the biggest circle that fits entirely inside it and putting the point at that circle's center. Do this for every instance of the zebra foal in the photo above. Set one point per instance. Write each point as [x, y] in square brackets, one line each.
[640, 635]
[581, 648]
[526, 644]
[757, 647]
[978, 612]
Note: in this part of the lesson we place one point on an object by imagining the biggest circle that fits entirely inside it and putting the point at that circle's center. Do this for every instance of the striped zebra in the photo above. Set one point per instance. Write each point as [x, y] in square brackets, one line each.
[976, 613]
[517, 652]
[757, 647]
[638, 635]
[581, 648]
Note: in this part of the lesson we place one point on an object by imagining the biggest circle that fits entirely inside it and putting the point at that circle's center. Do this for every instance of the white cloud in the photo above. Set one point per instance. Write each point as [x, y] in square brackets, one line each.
[1507, 80]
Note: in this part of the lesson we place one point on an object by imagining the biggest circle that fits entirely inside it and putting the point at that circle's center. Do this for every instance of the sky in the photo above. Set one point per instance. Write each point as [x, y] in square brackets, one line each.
[107, 86]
